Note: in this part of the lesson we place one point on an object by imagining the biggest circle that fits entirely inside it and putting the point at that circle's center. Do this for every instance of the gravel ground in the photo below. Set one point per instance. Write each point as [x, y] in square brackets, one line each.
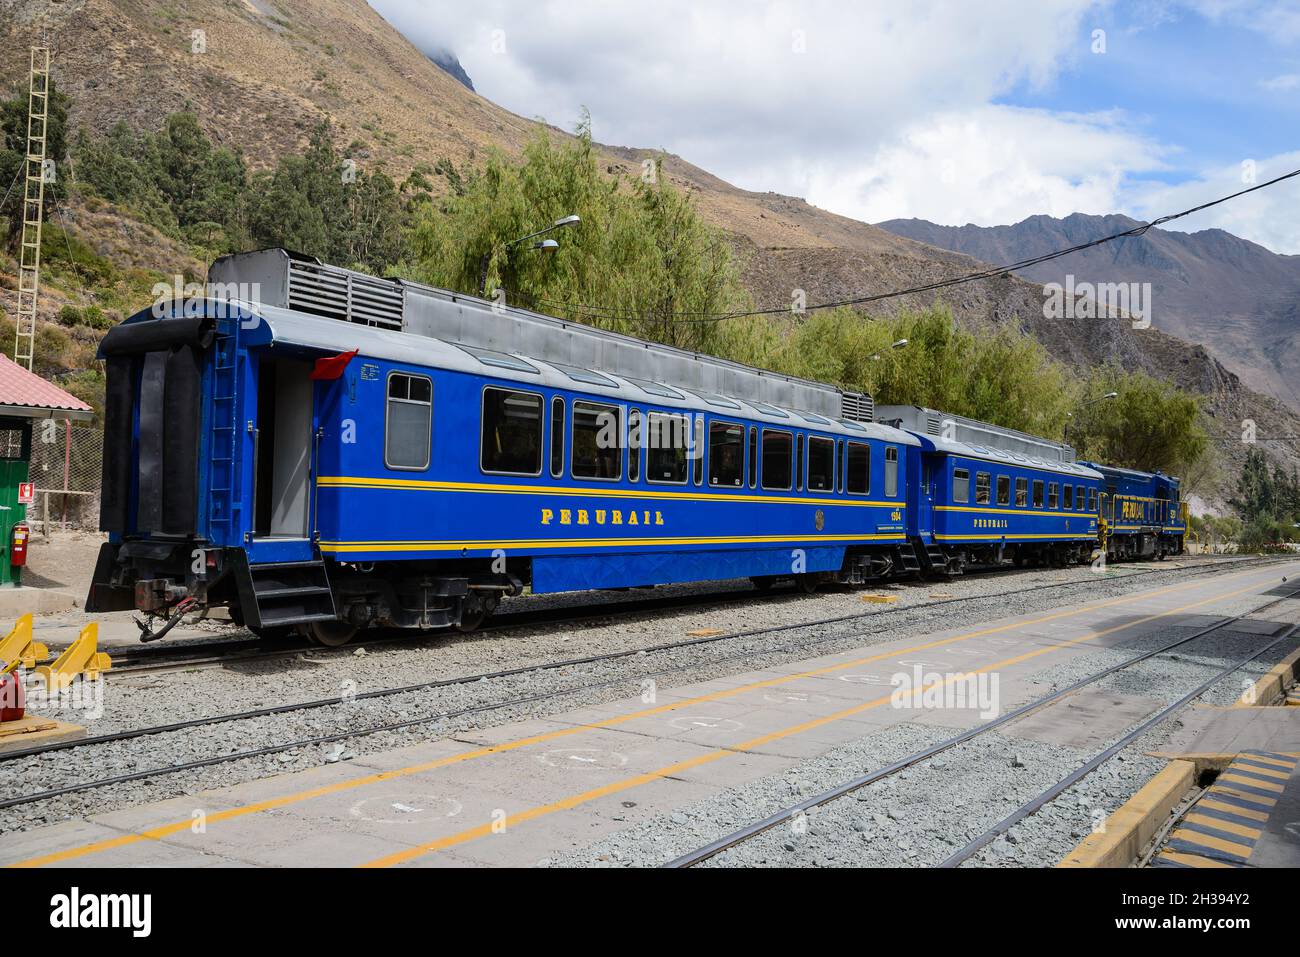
[922, 815]
[156, 699]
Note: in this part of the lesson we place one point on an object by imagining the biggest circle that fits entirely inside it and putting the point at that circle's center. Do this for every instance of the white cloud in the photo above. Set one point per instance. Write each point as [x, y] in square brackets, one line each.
[1266, 217]
[873, 110]
[994, 165]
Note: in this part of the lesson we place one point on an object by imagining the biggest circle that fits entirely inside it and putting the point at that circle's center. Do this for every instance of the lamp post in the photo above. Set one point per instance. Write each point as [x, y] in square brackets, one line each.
[1070, 415]
[543, 245]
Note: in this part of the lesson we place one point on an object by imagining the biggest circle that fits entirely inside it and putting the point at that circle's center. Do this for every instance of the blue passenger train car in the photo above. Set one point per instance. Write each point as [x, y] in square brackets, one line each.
[987, 494]
[329, 472]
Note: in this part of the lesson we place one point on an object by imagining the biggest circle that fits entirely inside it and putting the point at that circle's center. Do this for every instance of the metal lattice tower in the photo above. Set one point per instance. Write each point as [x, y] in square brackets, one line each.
[29, 260]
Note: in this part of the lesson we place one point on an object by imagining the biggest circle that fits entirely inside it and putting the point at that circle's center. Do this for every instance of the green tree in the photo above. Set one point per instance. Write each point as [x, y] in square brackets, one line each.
[1152, 425]
[641, 260]
[995, 374]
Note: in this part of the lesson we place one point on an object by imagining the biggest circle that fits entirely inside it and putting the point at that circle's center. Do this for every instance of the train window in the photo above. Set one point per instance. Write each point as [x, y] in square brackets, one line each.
[798, 464]
[1080, 498]
[597, 446]
[512, 433]
[408, 424]
[821, 464]
[666, 449]
[961, 486]
[859, 467]
[699, 450]
[983, 488]
[1038, 493]
[777, 447]
[726, 455]
[635, 440]
[1004, 490]
[891, 472]
[557, 437]
[839, 472]
[1054, 495]
[1068, 504]
[753, 457]
[1022, 492]
[1092, 500]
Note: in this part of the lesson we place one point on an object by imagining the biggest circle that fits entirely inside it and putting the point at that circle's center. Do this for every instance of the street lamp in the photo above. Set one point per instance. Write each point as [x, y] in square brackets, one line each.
[900, 344]
[1070, 415]
[544, 246]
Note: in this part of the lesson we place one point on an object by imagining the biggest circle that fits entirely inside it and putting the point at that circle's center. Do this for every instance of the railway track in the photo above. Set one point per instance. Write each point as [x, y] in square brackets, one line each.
[215, 654]
[789, 814]
[351, 733]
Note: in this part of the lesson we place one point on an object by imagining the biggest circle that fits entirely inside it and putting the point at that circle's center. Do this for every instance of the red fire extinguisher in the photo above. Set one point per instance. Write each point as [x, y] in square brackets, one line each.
[13, 702]
[18, 545]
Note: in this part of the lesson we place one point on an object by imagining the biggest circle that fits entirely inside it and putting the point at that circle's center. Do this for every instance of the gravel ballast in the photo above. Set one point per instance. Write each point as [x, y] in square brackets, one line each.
[146, 700]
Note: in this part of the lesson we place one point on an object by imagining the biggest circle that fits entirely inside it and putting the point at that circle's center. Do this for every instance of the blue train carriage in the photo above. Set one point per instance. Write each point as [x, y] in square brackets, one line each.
[337, 452]
[1142, 514]
[988, 495]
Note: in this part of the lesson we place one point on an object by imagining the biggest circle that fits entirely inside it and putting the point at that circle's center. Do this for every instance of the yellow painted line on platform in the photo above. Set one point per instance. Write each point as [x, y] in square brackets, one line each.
[1212, 842]
[167, 830]
[483, 830]
[1229, 778]
[1192, 860]
[1230, 827]
[1267, 687]
[1209, 803]
[1286, 763]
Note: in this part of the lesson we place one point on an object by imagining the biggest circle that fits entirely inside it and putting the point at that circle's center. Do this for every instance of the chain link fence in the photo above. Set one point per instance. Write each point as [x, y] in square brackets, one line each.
[66, 471]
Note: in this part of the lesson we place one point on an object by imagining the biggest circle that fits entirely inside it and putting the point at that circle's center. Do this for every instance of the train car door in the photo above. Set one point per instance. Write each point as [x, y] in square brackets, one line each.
[930, 465]
[283, 469]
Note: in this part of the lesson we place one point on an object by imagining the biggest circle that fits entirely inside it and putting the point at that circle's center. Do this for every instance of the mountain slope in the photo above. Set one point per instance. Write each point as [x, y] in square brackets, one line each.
[272, 69]
[1238, 298]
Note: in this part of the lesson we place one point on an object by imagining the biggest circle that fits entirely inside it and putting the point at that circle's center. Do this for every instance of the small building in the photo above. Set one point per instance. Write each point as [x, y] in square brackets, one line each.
[25, 399]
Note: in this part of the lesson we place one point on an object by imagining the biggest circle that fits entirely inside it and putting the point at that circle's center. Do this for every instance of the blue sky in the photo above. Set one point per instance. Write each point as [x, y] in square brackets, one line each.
[955, 111]
[1216, 89]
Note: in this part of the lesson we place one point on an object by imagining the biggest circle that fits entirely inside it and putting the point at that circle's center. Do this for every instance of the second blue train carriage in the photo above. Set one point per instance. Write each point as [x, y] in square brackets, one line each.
[987, 494]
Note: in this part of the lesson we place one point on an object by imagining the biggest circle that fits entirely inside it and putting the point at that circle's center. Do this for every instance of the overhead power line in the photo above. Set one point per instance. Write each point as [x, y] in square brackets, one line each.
[996, 272]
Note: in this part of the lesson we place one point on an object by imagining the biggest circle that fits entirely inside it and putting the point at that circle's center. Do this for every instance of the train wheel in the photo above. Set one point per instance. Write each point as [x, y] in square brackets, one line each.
[808, 584]
[331, 634]
[472, 620]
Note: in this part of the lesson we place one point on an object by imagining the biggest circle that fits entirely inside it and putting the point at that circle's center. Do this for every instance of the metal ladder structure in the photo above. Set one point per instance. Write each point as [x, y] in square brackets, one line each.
[224, 504]
[29, 259]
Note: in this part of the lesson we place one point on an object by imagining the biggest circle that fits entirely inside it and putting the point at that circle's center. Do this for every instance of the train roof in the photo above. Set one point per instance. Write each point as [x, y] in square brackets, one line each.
[1132, 473]
[970, 438]
[1007, 457]
[264, 325]
[287, 280]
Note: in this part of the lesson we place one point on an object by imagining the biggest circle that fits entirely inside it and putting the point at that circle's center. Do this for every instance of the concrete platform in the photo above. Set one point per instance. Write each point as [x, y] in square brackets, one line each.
[519, 793]
[15, 602]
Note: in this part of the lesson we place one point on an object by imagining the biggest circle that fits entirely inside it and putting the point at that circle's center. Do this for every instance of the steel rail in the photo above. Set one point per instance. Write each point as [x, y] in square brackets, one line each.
[1056, 790]
[428, 719]
[751, 831]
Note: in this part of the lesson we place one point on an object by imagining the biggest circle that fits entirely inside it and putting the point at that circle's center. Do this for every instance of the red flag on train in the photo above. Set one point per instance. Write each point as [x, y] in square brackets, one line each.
[331, 368]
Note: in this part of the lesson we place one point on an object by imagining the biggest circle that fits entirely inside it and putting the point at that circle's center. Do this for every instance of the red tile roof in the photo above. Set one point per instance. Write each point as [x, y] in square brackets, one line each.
[18, 387]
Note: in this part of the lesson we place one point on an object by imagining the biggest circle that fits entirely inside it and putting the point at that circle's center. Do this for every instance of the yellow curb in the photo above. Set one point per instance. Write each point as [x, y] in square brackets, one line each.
[1268, 688]
[1133, 826]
